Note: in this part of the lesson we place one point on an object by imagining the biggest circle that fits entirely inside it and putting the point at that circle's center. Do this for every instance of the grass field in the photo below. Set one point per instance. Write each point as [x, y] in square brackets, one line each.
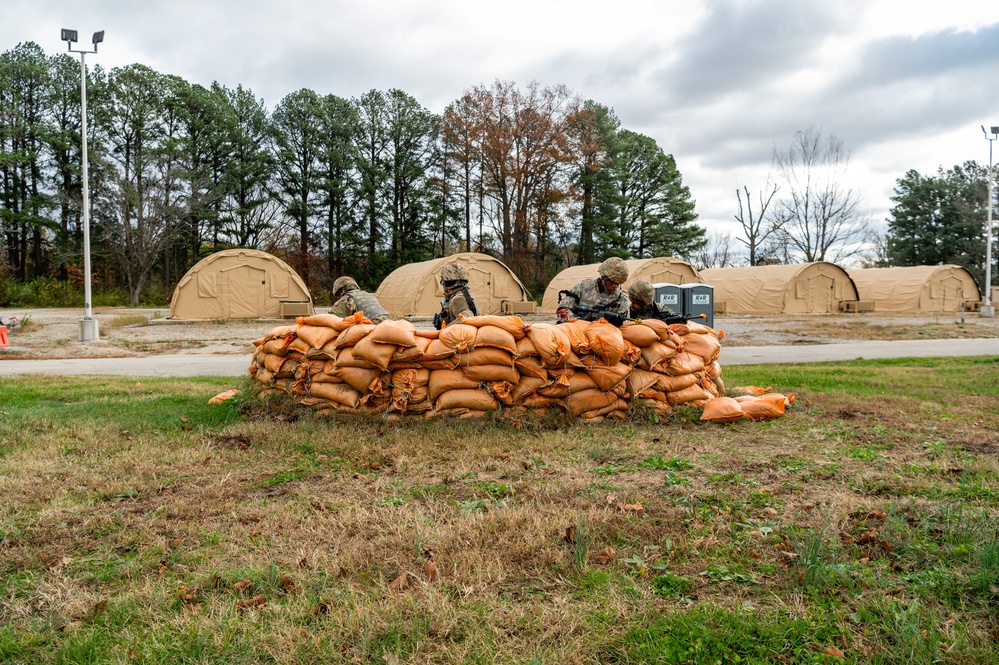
[138, 524]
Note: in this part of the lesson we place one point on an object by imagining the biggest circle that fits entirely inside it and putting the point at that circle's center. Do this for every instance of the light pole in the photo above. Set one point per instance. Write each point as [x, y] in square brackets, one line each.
[988, 310]
[88, 324]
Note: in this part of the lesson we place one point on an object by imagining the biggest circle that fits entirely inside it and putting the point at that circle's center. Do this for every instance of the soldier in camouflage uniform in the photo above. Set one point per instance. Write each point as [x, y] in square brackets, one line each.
[602, 293]
[643, 304]
[457, 300]
[351, 299]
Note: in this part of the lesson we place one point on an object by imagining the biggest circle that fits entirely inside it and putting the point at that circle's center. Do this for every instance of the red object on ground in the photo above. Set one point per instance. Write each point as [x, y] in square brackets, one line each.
[3, 336]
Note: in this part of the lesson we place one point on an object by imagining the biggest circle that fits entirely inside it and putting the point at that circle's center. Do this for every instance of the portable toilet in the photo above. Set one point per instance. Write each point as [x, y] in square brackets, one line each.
[669, 296]
[699, 299]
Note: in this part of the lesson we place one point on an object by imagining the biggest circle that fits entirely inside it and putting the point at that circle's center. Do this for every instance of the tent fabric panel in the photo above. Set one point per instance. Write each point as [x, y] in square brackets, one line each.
[208, 285]
[793, 288]
[915, 289]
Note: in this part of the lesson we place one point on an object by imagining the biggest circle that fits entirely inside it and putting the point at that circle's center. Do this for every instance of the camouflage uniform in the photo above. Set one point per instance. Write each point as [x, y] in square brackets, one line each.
[457, 300]
[592, 294]
[643, 304]
[351, 299]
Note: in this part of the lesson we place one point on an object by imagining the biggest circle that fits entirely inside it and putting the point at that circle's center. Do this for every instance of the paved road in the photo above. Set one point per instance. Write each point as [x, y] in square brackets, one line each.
[236, 365]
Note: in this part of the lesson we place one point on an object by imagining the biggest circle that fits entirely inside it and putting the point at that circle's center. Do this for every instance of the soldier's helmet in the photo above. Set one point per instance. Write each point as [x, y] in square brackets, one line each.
[454, 272]
[641, 292]
[342, 285]
[614, 269]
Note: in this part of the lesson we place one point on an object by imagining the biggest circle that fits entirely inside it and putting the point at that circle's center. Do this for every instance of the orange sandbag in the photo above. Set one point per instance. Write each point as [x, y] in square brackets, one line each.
[325, 320]
[575, 332]
[394, 331]
[605, 342]
[632, 354]
[459, 336]
[346, 358]
[512, 324]
[496, 337]
[688, 395]
[442, 380]
[655, 355]
[531, 366]
[501, 390]
[485, 356]
[608, 376]
[491, 373]
[526, 387]
[299, 346]
[525, 348]
[316, 336]
[577, 382]
[684, 363]
[589, 400]
[409, 379]
[356, 377]
[670, 384]
[275, 346]
[749, 390]
[551, 344]
[476, 400]
[340, 393]
[264, 375]
[639, 334]
[619, 405]
[760, 408]
[713, 369]
[437, 350]
[280, 332]
[406, 354]
[429, 334]
[722, 410]
[352, 335]
[376, 353]
[640, 380]
[706, 346]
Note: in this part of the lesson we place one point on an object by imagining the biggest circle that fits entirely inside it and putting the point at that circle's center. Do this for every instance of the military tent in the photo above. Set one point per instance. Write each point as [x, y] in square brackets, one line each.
[239, 284]
[916, 288]
[415, 289]
[658, 270]
[797, 288]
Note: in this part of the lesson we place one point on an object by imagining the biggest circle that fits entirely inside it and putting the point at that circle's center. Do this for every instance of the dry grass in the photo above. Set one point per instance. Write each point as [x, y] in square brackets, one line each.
[132, 511]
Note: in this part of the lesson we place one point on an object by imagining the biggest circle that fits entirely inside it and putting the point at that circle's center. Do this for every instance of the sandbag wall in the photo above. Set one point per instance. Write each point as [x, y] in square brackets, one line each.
[590, 370]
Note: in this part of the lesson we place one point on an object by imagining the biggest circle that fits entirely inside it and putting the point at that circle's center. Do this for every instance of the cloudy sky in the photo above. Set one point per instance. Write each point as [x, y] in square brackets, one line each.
[718, 83]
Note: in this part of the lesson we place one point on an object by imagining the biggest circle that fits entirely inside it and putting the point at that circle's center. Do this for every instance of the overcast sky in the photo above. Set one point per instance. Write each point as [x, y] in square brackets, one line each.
[718, 83]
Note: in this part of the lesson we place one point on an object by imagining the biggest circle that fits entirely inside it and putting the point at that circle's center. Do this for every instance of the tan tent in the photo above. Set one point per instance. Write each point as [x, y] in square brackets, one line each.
[916, 288]
[415, 289]
[240, 284]
[798, 288]
[658, 270]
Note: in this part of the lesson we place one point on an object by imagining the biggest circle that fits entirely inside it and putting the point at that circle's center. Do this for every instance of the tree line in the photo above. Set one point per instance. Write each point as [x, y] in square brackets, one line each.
[533, 175]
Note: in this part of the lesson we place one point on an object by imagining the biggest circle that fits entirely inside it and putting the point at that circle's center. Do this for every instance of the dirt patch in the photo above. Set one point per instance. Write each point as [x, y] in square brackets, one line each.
[126, 332]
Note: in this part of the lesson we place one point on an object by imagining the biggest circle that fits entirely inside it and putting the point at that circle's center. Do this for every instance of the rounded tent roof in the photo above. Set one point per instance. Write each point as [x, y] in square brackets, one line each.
[237, 283]
[796, 288]
[414, 289]
[916, 288]
[658, 270]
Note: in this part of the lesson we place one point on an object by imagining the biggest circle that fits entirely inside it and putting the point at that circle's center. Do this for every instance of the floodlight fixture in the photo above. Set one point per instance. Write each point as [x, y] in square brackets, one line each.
[995, 130]
[70, 36]
[98, 38]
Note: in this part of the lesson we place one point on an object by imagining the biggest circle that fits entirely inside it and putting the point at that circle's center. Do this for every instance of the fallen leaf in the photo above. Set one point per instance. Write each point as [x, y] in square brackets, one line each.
[98, 608]
[257, 601]
[246, 519]
[834, 652]
[877, 515]
[769, 511]
[224, 396]
[611, 499]
[570, 535]
[303, 562]
[635, 508]
[756, 533]
[184, 419]
[287, 583]
[864, 560]
[341, 574]
[254, 533]
[176, 542]
[868, 537]
[242, 584]
[320, 609]
[430, 569]
[755, 554]
[604, 556]
[400, 583]
[374, 466]
[503, 457]
[205, 461]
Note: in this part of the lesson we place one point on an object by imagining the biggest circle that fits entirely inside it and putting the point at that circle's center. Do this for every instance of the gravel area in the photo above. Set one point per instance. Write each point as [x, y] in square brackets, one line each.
[127, 332]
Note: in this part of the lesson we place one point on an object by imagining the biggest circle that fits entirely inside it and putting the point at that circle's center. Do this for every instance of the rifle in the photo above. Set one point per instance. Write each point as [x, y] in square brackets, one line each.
[441, 316]
[592, 313]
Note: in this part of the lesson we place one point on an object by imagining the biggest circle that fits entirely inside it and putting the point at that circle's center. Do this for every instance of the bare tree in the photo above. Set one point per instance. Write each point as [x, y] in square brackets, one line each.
[757, 226]
[717, 253]
[819, 215]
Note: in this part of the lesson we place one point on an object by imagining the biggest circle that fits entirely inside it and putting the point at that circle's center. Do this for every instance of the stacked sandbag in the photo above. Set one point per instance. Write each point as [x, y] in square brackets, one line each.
[755, 404]
[590, 370]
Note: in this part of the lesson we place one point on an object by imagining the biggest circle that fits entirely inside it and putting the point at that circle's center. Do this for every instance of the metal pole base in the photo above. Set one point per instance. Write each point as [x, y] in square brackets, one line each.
[89, 330]
[987, 311]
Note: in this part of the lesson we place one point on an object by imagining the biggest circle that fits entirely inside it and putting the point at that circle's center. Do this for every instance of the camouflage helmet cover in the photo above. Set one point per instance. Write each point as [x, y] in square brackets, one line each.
[641, 291]
[614, 269]
[454, 272]
[342, 285]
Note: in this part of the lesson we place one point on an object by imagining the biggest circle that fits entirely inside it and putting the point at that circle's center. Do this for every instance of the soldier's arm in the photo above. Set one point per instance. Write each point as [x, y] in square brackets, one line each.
[458, 306]
[343, 307]
[622, 306]
[571, 300]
